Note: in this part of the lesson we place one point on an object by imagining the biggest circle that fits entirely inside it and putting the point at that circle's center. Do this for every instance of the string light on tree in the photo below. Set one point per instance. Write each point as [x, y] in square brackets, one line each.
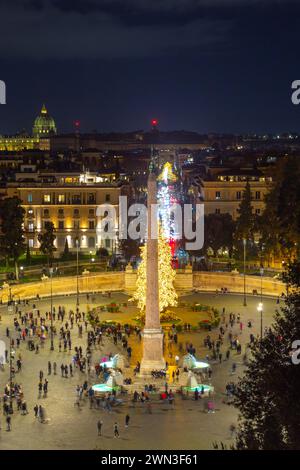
[166, 197]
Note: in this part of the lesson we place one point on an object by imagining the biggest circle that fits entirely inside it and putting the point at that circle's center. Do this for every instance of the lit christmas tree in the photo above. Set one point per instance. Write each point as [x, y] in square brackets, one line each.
[167, 195]
[166, 276]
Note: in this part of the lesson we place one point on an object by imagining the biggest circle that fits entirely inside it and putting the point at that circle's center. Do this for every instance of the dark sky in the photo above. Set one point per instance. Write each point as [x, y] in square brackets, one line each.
[204, 65]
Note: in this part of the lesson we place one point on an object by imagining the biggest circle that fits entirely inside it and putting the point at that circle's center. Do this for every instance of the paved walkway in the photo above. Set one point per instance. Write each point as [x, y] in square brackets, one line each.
[183, 425]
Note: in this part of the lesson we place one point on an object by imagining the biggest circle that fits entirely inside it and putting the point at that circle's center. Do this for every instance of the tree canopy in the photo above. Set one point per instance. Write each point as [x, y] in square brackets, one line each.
[12, 243]
[268, 394]
[46, 239]
[282, 211]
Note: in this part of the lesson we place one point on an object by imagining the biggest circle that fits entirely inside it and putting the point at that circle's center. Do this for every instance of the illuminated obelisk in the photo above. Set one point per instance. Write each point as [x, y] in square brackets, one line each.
[153, 358]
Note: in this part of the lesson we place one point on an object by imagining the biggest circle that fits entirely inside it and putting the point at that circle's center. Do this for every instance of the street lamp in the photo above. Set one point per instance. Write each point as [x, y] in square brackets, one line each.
[283, 263]
[51, 309]
[260, 309]
[77, 270]
[245, 298]
[10, 295]
[9, 300]
[10, 376]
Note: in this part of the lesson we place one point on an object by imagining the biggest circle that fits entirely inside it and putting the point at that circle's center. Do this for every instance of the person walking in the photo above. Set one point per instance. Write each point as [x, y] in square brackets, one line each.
[36, 410]
[99, 427]
[127, 419]
[116, 430]
[232, 429]
[41, 414]
[24, 410]
[8, 423]
[45, 389]
[54, 368]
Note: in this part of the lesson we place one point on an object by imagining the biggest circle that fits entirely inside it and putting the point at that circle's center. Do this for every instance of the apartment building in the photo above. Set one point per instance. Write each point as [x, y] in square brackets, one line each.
[70, 202]
[223, 193]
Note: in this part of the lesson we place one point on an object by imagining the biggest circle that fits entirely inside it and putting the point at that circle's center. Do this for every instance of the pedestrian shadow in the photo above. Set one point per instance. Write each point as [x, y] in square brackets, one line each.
[115, 438]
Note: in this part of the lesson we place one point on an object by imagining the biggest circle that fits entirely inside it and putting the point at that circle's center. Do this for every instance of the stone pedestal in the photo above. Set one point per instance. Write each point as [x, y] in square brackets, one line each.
[152, 351]
[130, 279]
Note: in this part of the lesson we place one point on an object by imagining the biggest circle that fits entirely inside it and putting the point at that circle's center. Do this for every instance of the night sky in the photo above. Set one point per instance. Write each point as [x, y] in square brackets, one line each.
[203, 65]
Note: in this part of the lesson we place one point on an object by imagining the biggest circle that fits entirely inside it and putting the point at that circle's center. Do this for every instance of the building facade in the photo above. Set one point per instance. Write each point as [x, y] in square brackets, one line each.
[73, 208]
[224, 193]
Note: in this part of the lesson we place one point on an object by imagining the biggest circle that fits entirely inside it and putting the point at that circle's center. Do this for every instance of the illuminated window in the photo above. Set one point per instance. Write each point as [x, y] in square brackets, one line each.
[47, 198]
[76, 199]
[218, 194]
[91, 198]
[30, 227]
[29, 198]
[61, 198]
[238, 195]
[30, 242]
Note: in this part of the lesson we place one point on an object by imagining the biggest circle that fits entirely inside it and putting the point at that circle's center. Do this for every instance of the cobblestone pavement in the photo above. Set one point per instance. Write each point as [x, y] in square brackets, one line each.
[183, 425]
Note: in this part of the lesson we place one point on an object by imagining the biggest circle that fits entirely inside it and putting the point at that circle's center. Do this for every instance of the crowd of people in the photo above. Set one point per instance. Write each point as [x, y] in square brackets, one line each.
[80, 341]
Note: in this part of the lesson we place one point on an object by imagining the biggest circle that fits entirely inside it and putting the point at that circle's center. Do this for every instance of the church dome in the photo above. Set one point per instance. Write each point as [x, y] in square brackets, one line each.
[44, 124]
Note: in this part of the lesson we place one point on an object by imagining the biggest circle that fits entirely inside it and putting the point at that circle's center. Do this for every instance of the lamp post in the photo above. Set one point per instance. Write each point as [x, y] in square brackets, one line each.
[87, 294]
[10, 295]
[261, 282]
[287, 285]
[77, 271]
[9, 300]
[51, 309]
[260, 309]
[10, 376]
[244, 245]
